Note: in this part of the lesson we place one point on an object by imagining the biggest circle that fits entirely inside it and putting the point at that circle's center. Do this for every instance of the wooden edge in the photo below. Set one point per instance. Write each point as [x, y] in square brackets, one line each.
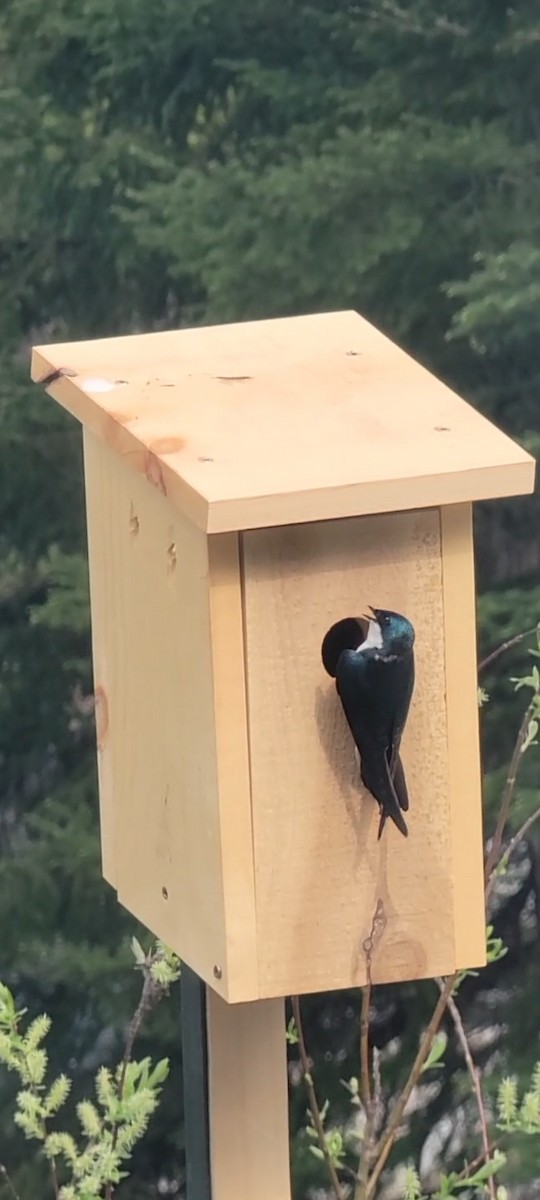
[514, 478]
[465, 783]
[248, 1100]
[108, 429]
[95, 498]
[234, 783]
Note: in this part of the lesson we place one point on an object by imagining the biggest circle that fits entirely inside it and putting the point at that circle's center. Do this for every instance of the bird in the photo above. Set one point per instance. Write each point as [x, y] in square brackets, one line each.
[374, 674]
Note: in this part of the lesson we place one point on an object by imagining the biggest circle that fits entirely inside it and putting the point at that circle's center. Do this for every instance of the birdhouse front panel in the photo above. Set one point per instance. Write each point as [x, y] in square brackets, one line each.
[327, 891]
[251, 490]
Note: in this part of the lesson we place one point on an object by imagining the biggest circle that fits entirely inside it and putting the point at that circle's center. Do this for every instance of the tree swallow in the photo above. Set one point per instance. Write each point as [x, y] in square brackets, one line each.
[374, 676]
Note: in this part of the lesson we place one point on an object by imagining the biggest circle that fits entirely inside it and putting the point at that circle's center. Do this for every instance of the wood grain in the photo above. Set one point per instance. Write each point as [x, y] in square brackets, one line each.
[284, 421]
[463, 735]
[249, 1130]
[162, 777]
[320, 872]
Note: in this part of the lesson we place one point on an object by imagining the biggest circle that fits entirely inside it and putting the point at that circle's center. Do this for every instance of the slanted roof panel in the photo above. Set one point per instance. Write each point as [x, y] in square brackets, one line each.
[281, 421]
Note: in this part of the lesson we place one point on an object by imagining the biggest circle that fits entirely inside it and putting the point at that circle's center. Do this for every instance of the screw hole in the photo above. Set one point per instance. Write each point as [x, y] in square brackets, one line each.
[171, 556]
[133, 522]
[217, 972]
[164, 893]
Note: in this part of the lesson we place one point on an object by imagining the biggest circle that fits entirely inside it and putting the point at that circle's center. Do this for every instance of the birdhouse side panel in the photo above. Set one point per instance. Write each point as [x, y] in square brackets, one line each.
[239, 971]
[463, 734]
[158, 771]
[333, 903]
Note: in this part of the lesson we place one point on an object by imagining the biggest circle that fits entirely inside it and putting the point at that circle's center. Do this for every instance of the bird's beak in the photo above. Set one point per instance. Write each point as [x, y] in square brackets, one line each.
[369, 614]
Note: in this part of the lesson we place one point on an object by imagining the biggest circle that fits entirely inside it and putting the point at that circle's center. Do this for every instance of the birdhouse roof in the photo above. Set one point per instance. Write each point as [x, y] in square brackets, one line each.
[282, 421]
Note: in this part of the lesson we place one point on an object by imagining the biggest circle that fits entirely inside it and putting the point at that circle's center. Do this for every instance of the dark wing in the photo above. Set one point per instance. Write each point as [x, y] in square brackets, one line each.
[367, 710]
[404, 679]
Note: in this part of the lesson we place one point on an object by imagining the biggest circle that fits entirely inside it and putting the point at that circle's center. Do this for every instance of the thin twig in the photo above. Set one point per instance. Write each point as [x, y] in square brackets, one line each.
[508, 793]
[8, 1183]
[475, 1079]
[517, 838]
[365, 1081]
[312, 1100]
[377, 1089]
[471, 1167]
[52, 1164]
[151, 993]
[506, 855]
[387, 1140]
[369, 946]
[513, 641]
[365, 1091]
[54, 1177]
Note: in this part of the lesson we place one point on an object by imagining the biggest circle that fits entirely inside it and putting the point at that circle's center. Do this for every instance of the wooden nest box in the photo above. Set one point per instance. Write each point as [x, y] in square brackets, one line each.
[248, 486]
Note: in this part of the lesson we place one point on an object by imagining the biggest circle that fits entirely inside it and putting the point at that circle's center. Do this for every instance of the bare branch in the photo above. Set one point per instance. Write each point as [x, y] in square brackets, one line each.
[152, 992]
[378, 926]
[8, 1183]
[312, 1100]
[365, 1081]
[513, 641]
[508, 794]
[475, 1079]
[512, 845]
[387, 1140]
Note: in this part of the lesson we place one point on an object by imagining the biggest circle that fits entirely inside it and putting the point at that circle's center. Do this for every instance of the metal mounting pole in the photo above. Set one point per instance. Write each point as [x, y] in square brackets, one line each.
[195, 1071]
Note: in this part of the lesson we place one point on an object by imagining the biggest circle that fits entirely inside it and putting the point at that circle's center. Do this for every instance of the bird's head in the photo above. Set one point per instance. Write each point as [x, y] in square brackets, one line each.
[396, 631]
[377, 629]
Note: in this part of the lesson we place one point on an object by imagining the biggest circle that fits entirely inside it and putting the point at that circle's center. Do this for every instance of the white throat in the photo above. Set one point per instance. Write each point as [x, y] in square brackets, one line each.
[374, 639]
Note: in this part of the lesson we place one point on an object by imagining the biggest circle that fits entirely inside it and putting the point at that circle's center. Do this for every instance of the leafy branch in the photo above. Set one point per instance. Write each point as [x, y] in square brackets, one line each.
[317, 1114]
[125, 1098]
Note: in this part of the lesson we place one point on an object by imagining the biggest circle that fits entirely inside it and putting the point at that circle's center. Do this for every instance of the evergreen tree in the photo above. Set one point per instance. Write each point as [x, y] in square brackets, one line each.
[169, 164]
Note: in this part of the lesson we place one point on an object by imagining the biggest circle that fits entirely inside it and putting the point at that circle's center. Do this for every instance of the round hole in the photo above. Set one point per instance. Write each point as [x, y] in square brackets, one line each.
[164, 893]
[217, 972]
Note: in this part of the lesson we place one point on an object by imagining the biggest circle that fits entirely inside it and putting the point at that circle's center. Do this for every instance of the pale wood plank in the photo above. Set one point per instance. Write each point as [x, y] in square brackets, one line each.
[284, 421]
[153, 607]
[320, 872]
[248, 1098]
[463, 738]
[226, 617]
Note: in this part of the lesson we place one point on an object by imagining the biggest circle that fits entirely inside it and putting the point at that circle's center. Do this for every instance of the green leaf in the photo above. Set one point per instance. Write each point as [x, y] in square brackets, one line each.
[438, 1047]
[412, 1188]
[37, 1030]
[138, 952]
[159, 1074]
[57, 1095]
[292, 1033]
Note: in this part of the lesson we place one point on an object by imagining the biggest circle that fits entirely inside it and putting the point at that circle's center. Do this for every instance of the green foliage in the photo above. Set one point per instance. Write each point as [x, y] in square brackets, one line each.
[515, 1115]
[434, 1058]
[126, 1096]
[292, 1033]
[452, 1185]
[334, 1140]
[412, 1189]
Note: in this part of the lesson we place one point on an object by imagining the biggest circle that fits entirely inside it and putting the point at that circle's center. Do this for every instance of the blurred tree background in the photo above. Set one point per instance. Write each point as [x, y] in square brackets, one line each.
[177, 163]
